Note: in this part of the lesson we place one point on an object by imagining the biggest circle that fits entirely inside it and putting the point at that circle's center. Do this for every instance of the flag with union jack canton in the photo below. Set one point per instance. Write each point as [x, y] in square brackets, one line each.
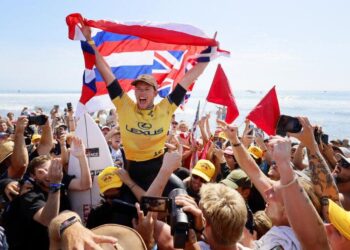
[166, 51]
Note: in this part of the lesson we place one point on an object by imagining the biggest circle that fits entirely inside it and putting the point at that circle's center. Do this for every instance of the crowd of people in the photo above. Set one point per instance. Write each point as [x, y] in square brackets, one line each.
[171, 187]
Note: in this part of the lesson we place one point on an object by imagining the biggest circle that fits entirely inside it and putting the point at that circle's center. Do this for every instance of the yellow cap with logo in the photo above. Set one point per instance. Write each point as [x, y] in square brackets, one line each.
[204, 169]
[108, 179]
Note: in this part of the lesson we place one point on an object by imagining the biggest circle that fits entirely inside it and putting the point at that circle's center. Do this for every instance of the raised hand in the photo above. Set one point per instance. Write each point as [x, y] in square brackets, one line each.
[22, 123]
[77, 147]
[231, 131]
[55, 171]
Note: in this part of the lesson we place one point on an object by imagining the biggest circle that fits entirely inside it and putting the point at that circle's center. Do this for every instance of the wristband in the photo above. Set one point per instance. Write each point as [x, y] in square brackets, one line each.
[290, 183]
[236, 144]
[91, 42]
[54, 187]
[67, 223]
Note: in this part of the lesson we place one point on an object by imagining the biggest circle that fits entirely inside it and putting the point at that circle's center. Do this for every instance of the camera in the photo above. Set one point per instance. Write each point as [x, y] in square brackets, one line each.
[180, 222]
[287, 124]
[69, 106]
[37, 119]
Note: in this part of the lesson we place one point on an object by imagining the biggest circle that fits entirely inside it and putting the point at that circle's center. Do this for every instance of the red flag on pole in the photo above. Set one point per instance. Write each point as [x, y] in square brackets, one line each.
[220, 93]
[266, 114]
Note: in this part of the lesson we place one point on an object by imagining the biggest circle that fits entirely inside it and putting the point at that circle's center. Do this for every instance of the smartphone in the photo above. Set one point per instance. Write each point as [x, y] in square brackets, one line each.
[259, 132]
[250, 129]
[69, 106]
[218, 144]
[288, 124]
[325, 138]
[155, 204]
[37, 119]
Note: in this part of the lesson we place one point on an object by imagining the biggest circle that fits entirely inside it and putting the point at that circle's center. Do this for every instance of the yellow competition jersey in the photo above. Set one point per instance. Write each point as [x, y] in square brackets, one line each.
[143, 132]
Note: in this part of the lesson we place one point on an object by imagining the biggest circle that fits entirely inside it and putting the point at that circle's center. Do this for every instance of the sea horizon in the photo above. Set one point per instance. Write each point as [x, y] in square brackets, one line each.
[329, 109]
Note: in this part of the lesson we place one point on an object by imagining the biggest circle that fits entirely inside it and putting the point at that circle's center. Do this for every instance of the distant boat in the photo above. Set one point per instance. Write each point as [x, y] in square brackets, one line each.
[251, 91]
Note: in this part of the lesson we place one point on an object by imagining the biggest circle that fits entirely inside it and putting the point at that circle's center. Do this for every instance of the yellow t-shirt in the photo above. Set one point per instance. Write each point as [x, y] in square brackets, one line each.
[143, 132]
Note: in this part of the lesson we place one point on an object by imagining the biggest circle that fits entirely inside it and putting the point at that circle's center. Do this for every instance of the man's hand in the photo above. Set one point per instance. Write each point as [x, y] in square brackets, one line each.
[22, 123]
[144, 225]
[124, 176]
[12, 190]
[78, 237]
[172, 160]
[231, 131]
[189, 205]
[77, 147]
[55, 171]
[280, 148]
[306, 135]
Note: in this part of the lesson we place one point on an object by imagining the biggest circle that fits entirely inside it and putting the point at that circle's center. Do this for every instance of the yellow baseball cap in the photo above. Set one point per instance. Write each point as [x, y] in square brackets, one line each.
[339, 218]
[35, 137]
[256, 152]
[204, 169]
[222, 135]
[108, 179]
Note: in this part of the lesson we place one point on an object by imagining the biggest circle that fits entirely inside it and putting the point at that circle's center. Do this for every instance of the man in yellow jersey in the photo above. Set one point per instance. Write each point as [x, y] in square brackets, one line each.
[143, 125]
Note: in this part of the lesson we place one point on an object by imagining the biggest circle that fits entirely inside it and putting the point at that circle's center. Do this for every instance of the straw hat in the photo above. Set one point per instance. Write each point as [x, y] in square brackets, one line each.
[128, 238]
[6, 149]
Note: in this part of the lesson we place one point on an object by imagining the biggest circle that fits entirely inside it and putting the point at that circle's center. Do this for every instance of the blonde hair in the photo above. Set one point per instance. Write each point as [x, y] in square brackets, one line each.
[225, 211]
[262, 223]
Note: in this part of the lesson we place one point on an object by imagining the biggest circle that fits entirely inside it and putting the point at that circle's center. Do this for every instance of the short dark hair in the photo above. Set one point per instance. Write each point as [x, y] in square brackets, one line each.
[36, 162]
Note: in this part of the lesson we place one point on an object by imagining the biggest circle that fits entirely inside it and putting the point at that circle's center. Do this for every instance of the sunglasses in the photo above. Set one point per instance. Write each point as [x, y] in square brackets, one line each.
[343, 163]
[199, 178]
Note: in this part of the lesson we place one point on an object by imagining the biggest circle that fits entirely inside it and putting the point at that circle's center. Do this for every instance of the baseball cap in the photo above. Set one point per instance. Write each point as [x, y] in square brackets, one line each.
[61, 125]
[339, 156]
[4, 135]
[35, 137]
[339, 218]
[105, 127]
[204, 169]
[256, 152]
[128, 238]
[108, 179]
[237, 178]
[6, 149]
[146, 79]
[222, 135]
[228, 150]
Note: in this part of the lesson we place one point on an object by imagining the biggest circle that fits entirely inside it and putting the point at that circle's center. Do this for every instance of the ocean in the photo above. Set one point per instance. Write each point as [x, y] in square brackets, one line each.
[329, 109]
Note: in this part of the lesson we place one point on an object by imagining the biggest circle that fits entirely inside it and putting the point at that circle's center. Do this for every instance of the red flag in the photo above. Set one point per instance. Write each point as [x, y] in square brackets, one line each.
[266, 114]
[220, 93]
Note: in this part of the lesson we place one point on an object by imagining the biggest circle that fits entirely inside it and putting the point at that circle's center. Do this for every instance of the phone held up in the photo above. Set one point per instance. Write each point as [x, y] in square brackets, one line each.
[287, 124]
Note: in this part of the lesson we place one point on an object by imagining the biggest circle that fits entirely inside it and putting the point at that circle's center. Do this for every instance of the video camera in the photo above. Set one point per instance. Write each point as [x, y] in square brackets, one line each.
[180, 222]
[37, 119]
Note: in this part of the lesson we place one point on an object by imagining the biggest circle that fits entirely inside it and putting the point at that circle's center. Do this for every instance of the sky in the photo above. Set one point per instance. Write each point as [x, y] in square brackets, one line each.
[295, 45]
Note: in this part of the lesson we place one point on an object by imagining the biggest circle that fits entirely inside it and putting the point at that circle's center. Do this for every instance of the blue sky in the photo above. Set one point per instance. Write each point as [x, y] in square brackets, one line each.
[296, 45]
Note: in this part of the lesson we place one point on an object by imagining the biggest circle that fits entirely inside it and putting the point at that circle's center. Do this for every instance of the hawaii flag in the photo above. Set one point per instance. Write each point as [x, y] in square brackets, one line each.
[166, 51]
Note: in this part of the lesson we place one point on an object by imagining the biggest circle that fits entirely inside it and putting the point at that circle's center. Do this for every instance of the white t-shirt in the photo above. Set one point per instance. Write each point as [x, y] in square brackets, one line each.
[278, 236]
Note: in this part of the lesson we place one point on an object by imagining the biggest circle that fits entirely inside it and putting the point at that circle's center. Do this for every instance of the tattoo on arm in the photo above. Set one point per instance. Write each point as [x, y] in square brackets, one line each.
[322, 178]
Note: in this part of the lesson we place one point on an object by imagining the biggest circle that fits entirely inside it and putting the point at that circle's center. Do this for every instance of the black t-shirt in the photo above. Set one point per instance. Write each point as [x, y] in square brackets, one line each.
[21, 230]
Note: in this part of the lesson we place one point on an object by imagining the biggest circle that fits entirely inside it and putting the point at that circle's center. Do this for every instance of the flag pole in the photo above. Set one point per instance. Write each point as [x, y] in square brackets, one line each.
[204, 106]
